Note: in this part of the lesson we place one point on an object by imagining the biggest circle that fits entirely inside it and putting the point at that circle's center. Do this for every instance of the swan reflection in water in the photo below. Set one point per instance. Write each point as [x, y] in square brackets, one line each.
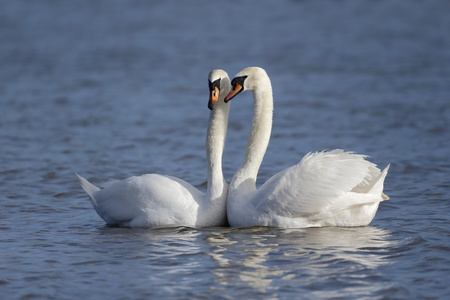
[267, 259]
[261, 260]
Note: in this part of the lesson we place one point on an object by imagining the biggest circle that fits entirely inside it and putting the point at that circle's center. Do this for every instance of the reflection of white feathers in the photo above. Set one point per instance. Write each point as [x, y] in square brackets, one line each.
[330, 188]
[159, 200]
[267, 260]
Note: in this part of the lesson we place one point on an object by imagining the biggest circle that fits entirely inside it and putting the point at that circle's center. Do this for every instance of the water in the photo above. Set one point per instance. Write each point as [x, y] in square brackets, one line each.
[111, 89]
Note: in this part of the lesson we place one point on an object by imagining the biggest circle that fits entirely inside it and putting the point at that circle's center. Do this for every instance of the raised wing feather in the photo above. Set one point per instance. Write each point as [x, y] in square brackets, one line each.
[315, 183]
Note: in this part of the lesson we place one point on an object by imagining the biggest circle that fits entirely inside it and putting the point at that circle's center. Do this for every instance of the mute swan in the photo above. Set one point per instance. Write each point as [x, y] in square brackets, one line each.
[329, 188]
[159, 200]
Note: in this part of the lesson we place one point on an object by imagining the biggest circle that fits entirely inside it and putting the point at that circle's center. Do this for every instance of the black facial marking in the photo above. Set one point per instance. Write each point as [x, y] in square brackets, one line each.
[240, 80]
[234, 83]
[214, 84]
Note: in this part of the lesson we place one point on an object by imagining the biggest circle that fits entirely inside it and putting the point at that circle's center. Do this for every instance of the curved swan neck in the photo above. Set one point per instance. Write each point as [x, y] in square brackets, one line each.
[259, 136]
[212, 210]
[215, 143]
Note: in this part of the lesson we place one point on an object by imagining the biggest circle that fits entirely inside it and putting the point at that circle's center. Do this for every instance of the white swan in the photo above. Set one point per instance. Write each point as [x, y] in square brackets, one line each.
[159, 200]
[334, 188]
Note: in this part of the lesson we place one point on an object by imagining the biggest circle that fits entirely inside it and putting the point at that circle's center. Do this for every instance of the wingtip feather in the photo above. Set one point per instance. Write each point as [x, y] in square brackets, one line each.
[89, 188]
[379, 183]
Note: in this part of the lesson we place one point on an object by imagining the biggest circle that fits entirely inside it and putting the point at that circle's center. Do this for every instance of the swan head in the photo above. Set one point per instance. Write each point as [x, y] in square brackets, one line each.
[248, 79]
[219, 86]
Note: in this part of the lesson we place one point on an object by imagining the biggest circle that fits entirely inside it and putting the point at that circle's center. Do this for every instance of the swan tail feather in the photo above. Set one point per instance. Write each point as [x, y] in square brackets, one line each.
[373, 195]
[89, 188]
[378, 186]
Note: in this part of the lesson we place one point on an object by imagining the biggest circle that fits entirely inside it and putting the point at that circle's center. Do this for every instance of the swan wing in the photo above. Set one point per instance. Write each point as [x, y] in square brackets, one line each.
[148, 200]
[318, 183]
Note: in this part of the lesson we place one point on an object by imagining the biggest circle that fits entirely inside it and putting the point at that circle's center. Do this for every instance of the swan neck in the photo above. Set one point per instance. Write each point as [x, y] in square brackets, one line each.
[215, 142]
[258, 139]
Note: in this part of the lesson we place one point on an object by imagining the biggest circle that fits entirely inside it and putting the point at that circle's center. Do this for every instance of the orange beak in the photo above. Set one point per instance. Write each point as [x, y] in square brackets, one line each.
[213, 98]
[237, 88]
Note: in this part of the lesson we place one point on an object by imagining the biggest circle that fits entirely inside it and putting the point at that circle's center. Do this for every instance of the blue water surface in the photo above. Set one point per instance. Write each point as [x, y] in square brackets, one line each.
[111, 89]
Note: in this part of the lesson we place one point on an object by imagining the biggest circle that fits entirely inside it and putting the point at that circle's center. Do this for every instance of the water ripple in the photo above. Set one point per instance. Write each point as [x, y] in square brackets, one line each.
[129, 96]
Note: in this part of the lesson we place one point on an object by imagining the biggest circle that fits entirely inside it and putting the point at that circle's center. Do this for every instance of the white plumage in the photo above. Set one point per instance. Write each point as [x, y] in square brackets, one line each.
[159, 200]
[329, 188]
